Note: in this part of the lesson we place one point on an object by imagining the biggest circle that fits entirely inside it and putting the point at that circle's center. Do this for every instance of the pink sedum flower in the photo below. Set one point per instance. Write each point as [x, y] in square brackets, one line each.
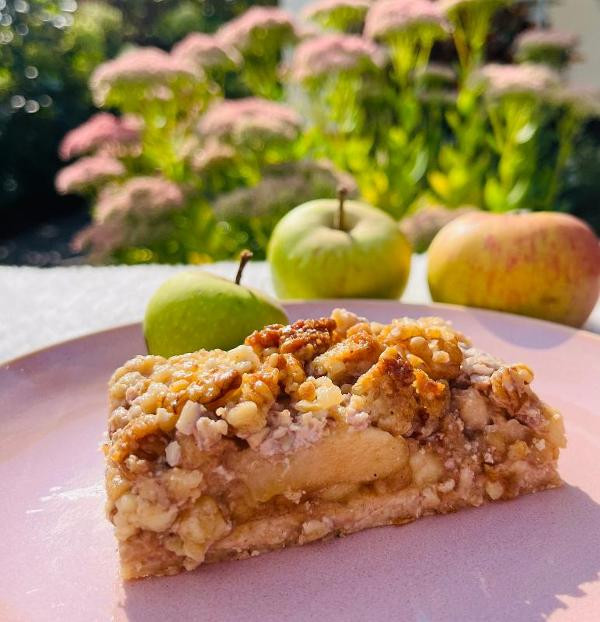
[206, 52]
[527, 79]
[100, 131]
[141, 66]
[436, 83]
[213, 156]
[99, 240]
[306, 31]
[334, 53]
[390, 17]
[87, 173]
[422, 226]
[540, 38]
[437, 74]
[549, 47]
[144, 197]
[256, 25]
[242, 121]
[282, 187]
[583, 101]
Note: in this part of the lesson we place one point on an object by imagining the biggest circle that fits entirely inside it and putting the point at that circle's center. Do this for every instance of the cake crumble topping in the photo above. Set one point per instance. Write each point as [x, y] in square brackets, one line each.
[321, 427]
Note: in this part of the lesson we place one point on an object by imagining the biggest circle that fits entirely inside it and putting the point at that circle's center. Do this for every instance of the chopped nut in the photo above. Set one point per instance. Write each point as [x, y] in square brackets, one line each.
[134, 512]
[494, 490]
[540, 444]
[473, 408]
[173, 453]
[294, 497]
[555, 428]
[326, 396]
[430, 498]
[315, 529]
[518, 450]
[244, 358]
[208, 432]
[427, 468]
[166, 419]
[179, 385]
[182, 485]
[447, 486]
[510, 390]
[246, 418]
[190, 413]
[199, 526]
[386, 392]
[440, 357]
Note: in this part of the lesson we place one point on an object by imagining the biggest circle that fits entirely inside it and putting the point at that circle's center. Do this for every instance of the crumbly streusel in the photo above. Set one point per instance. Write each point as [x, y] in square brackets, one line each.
[323, 427]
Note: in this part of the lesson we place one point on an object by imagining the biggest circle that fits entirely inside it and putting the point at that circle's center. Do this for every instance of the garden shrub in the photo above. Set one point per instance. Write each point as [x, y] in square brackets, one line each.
[48, 49]
[366, 103]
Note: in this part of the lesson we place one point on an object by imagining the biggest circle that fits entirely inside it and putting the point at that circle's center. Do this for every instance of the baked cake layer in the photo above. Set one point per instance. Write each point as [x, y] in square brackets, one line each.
[320, 428]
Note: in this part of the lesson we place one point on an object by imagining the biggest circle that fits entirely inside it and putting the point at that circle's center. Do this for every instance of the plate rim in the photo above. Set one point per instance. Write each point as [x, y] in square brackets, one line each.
[555, 326]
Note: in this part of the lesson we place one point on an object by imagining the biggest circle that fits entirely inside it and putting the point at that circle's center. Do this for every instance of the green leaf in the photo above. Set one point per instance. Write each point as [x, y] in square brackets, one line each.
[420, 166]
[397, 137]
[439, 182]
[453, 119]
[448, 157]
[494, 196]
[526, 133]
[459, 178]
[517, 194]
[466, 102]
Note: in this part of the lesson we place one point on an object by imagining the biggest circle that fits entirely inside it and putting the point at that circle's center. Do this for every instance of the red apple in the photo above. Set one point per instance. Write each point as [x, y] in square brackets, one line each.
[542, 264]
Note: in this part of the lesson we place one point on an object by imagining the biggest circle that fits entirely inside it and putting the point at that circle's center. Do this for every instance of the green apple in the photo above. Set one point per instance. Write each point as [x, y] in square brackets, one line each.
[542, 264]
[338, 249]
[197, 310]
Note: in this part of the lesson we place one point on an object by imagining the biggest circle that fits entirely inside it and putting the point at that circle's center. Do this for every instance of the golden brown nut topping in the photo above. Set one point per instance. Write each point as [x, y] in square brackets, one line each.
[386, 392]
[347, 360]
[305, 339]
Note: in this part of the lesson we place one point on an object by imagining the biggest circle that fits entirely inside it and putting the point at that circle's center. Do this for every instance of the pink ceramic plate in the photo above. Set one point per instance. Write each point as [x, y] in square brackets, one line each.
[535, 558]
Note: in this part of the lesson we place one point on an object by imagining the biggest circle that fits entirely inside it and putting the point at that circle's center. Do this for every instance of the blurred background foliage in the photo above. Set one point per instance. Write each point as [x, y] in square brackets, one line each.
[48, 49]
[163, 22]
[408, 141]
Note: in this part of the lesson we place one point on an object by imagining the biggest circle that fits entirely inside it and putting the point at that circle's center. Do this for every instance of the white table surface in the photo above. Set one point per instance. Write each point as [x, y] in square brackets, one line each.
[42, 306]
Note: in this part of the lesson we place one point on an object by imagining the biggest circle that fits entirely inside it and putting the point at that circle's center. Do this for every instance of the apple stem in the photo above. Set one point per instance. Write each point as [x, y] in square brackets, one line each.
[245, 257]
[342, 194]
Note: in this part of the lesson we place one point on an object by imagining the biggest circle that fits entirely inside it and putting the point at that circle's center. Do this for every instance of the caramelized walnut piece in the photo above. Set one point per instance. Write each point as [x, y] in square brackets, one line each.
[429, 343]
[126, 440]
[344, 321]
[510, 390]
[210, 386]
[304, 339]
[291, 372]
[433, 397]
[348, 359]
[261, 387]
[386, 392]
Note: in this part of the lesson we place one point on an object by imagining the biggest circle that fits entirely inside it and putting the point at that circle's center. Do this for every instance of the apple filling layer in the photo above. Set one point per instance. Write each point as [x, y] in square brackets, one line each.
[316, 429]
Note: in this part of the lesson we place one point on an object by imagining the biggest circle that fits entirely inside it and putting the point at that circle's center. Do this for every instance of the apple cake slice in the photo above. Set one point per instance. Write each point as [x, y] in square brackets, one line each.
[321, 428]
